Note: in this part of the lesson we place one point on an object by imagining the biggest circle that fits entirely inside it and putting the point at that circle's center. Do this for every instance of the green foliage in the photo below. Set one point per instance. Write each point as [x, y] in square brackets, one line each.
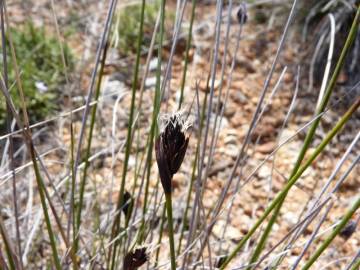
[41, 72]
[129, 23]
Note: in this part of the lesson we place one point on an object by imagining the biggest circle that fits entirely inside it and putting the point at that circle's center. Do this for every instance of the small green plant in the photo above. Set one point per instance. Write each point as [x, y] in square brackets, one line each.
[41, 71]
[129, 21]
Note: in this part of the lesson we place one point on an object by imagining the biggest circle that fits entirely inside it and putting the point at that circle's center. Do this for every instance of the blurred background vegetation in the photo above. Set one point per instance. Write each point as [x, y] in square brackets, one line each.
[42, 76]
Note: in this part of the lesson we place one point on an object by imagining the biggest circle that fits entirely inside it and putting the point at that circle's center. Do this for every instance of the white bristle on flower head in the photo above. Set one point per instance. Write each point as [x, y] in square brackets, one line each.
[179, 117]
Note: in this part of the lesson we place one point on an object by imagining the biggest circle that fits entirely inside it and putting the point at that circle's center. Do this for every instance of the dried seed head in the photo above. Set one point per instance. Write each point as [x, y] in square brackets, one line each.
[170, 147]
[128, 204]
[177, 118]
[220, 260]
[242, 14]
[348, 230]
[134, 259]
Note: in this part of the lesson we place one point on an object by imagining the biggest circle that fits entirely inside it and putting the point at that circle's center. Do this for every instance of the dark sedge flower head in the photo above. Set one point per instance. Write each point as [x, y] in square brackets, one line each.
[242, 15]
[134, 259]
[348, 230]
[220, 261]
[170, 148]
[128, 204]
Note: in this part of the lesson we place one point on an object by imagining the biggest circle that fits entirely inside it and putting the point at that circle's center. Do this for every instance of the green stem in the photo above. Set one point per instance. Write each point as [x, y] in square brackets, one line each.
[150, 143]
[160, 236]
[8, 248]
[87, 154]
[120, 202]
[308, 139]
[72, 217]
[41, 187]
[193, 175]
[188, 45]
[292, 181]
[155, 114]
[171, 230]
[187, 207]
[356, 265]
[333, 234]
[73, 181]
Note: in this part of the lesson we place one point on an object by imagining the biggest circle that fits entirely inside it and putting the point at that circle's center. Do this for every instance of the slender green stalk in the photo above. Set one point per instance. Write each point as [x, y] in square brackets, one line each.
[188, 45]
[137, 169]
[11, 140]
[41, 187]
[356, 265]
[72, 217]
[187, 207]
[8, 248]
[117, 219]
[160, 236]
[138, 162]
[308, 139]
[88, 151]
[39, 180]
[260, 246]
[171, 230]
[27, 135]
[194, 214]
[156, 207]
[40, 183]
[146, 195]
[153, 129]
[73, 181]
[193, 175]
[292, 181]
[150, 143]
[333, 234]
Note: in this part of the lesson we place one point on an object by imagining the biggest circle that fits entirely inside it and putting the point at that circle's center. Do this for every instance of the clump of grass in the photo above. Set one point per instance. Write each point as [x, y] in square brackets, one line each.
[41, 68]
[317, 21]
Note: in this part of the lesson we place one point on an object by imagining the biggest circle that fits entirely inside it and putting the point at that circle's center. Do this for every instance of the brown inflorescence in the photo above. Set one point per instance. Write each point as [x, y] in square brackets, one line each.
[128, 204]
[242, 15]
[134, 259]
[170, 149]
[348, 230]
